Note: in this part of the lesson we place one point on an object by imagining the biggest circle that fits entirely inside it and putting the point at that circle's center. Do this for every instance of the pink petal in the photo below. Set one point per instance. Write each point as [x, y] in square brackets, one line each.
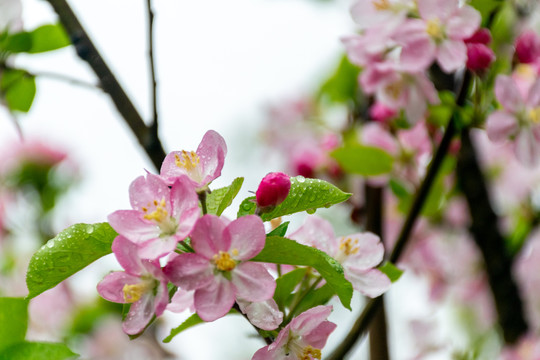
[212, 151]
[181, 300]
[317, 338]
[264, 314]
[373, 134]
[207, 237]
[508, 94]
[247, 236]
[253, 282]
[452, 55]
[130, 224]
[185, 206]
[370, 250]
[126, 254]
[264, 354]
[112, 286]
[157, 247]
[161, 299]
[139, 315]
[463, 23]
[371, 283]
[189, 271]
[143, 191]
[309, 320]
[214, 301]
[316, 232]
[527, 148]
[533, 97]
[500, 125]
[437, 9]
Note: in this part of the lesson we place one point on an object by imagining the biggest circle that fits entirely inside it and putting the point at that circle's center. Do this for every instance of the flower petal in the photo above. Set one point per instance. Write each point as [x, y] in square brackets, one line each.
[533, 97]
[143, 191]
[207, 237]
[463, 23]
[437, 9]
[212, 151]
[309, 320]
[139, 315]
[130, 224]
[247, 236]
[181, 300]
[157, 247]
[500, 125]
[452, 55]
[185, 206]
[189, 271]
[508, 94]
[371, 283]
[214, 301]
[126, 254]
[317, 338]
[263, 314]
[112, 286]
[369, 250]
[253, 282]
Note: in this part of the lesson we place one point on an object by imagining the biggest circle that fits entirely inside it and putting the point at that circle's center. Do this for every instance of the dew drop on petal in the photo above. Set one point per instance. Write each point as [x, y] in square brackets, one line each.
[300, 179]
[311, 211]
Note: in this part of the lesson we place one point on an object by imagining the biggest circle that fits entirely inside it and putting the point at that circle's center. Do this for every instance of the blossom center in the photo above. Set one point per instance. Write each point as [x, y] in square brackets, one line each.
[224, 261]
[394, 89]
[310, 353]
[534, 115]
[380, 5]
[434, 29]
[160, 216]
[188, 161]
[134, 292]
[349, 246]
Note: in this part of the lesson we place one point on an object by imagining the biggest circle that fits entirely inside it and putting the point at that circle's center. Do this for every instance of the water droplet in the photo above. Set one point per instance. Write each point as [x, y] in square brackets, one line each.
[311, 211]
[89, 229]
[327, 205]
[246, 207]
[50, 244]
[300, 179]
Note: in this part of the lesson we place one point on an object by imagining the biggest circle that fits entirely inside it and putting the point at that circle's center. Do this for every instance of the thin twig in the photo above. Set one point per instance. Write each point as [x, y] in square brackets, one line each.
[154, 123]
[87, 51]
[68, 79]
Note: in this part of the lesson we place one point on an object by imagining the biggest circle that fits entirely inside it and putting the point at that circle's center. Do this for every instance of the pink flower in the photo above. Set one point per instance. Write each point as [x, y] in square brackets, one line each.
[358, 254]
[519, 120]
[218, 271]
[143, 285]
[161, 217]
[481, 36]
[479, 57]
[447, 24]
[201, 166]
[303, 338]
[368, 13]
[273, 189]
[528, 47]
[381, 113]
[263, 314]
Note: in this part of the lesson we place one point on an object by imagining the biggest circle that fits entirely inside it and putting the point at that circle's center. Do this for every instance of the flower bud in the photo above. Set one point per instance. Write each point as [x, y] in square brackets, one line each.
[273, 189]
[380, 112]
[528, 47]
[479, 56]
[481, 36]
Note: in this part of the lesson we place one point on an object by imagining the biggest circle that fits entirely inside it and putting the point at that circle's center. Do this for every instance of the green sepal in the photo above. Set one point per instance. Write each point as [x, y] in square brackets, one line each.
[220, 199]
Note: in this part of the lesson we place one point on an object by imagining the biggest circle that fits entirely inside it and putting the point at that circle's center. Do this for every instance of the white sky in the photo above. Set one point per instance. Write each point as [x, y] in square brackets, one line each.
[219, 63]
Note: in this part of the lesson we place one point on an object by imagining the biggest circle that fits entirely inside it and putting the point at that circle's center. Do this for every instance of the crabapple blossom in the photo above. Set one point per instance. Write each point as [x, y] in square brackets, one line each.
[142, 284]
[528, 47]
[519, 119]
[263, 314]
[303, 338]
[359, 254]
[201, 166]
[161, 217]
[273, 189]
[219, 270]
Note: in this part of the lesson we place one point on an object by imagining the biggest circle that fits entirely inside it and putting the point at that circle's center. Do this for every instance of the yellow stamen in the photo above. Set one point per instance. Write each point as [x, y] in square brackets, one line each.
[188, 161]
[525, 71]
[158, 215]
[348, 246]
[310, 353]
[224, 262]
[534, 115]
[434, 29]
[133, 293]
[394, 89]
[381, 4]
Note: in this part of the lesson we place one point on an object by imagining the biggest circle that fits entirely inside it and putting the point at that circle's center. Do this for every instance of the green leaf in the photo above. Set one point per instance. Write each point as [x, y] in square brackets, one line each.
[319, 296]
[391, 270]
[220, 199]
[13, 321]
[190, 321]
[485, 7]
[281, 230]
[342, 86]
[363, 160]
[279, 250]
[247, 207]
[38, 351]
[18, 42]
[19, 89]
[286, 284]
[70, 251]
[48, 37]
[306, 195]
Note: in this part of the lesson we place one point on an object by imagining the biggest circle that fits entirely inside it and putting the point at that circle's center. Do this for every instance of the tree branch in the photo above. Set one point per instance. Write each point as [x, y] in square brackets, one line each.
[88, 52]
[154, 123]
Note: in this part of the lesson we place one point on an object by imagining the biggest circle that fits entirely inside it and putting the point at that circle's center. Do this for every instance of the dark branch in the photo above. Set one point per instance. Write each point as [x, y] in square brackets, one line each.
[154, 124]
[88, 52]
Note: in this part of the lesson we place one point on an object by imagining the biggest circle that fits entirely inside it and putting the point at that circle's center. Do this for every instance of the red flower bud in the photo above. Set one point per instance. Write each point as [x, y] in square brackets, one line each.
[528, 47]
[273, 189]
[479, 56]
[481, 36]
